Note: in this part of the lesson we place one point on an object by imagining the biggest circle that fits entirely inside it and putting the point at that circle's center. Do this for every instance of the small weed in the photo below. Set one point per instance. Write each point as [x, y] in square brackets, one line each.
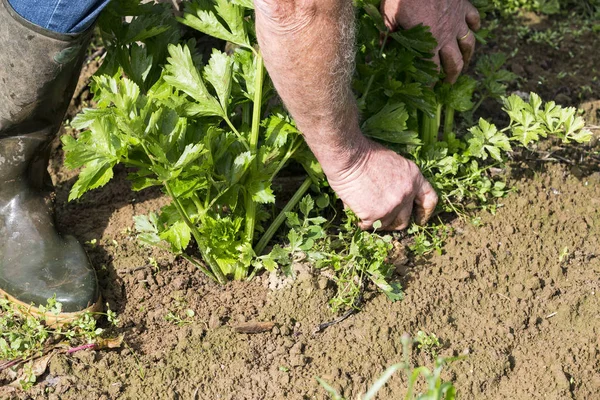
[564, 255]
[353, 255]
[427, 343]
[179, 320]
[25, 337]
[436, 388]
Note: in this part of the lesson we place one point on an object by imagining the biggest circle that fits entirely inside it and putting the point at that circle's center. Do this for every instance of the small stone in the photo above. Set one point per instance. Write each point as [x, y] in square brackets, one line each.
[298, 348]
[322, 283]
[285, 330]
[114, 389]
[298, 360]
[561, 379]
[140, 275]
[517, 289]
[533, 283]
[214, 321]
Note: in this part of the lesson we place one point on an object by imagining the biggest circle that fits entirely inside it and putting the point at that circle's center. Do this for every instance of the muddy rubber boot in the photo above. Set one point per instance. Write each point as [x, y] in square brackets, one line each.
[38, 73]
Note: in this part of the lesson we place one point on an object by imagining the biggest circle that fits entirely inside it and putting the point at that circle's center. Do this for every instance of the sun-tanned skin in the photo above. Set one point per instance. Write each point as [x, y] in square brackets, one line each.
[308, 48]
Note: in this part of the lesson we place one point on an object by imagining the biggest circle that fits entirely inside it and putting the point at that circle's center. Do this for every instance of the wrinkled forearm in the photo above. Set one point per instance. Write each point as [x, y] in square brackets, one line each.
[308, 48]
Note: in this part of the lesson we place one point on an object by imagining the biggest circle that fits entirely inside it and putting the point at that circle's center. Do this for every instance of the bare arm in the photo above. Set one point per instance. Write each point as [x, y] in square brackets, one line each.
[308, 47]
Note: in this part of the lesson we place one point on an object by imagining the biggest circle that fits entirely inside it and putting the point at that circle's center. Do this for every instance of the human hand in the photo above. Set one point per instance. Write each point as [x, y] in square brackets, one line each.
[452, 24]
[384, 186]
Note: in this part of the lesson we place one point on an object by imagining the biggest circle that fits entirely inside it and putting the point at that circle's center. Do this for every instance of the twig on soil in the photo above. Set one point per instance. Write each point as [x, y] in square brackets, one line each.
[134, 269]
[551, 315]
[84, 347]
[9, 364]
[326, 325]
[254, 327]
[503, 296]
[348, 314]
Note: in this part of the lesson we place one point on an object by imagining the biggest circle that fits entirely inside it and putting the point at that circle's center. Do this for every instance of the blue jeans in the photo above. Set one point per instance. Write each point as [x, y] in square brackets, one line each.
[62, 16]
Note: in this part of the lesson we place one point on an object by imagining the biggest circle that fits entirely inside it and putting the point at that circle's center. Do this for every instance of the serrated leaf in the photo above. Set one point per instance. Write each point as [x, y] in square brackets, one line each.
[389, 125]
[244, 3]
[307, 204]
[261, 192]
[219, 73]
[183, 75]
[190, 154]
[208, 21]
[277, 130]
[178, 236]
[96, 173]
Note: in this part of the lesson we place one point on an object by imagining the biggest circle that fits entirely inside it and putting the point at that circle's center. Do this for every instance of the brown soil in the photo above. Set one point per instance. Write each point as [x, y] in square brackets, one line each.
[518, 295]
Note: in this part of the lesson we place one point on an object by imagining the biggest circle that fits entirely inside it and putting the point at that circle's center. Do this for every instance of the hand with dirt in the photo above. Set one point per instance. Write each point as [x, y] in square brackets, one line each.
[452, 24]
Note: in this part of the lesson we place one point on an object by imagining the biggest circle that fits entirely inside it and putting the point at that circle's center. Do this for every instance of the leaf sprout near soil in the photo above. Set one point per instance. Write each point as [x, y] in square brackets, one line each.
[212, 136]
[436, 388]
[24, 336]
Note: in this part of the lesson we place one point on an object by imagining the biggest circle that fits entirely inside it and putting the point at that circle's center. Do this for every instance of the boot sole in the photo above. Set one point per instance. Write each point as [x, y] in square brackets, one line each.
[50, 318]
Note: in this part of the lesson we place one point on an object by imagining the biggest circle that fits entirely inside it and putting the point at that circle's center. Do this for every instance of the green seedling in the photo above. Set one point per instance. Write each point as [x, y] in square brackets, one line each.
[427, 343]
[436, 388]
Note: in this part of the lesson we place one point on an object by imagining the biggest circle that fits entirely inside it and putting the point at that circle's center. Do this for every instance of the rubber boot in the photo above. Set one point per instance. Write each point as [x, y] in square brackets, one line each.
[38, 74]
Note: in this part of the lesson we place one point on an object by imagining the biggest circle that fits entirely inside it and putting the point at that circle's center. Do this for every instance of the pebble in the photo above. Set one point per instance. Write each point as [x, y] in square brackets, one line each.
[298, 360]
[322, 283]
[561, 379]
[214, 321]
[533, 283]
[298, 348]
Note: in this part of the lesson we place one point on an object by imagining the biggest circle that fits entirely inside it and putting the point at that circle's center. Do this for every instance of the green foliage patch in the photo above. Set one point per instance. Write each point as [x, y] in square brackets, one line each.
[211, 135]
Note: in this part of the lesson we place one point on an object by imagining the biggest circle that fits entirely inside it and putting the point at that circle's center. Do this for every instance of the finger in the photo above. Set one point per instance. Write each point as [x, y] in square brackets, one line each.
[366, 225]
[436, 60]
[425, 202]
[389, 12]
[403, 218]
[467, 47]
[452, 61]
[473, 18]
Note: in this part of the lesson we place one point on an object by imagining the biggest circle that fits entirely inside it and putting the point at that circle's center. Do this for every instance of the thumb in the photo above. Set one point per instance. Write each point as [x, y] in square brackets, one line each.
[425, 202]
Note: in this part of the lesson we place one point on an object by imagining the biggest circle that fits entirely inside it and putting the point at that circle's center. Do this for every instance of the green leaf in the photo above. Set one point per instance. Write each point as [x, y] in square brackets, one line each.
[486, 137]
[278, 129]
[389, 125]
[219, 73]
[307, 204]
[97, 173]
[459, 95]
[178, 236]
[208, 21]
[183, 75]
[418, 40]
[244, 3]
[261, 191]
[190, 154]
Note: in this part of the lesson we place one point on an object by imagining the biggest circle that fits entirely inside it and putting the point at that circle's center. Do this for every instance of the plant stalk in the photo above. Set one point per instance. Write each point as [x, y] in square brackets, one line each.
[363, 100]
[218, 274]
[280, 219]
[214, 267]
[254, 135]
[448, 122]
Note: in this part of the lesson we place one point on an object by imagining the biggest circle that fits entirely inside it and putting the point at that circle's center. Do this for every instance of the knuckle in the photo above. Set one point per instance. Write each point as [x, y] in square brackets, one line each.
[290, 14]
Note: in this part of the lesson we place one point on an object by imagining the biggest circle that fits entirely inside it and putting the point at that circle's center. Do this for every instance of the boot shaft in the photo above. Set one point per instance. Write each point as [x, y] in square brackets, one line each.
[38, 74]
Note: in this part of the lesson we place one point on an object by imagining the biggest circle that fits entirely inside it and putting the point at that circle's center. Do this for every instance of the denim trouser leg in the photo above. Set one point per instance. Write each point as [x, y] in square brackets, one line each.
[63, 16]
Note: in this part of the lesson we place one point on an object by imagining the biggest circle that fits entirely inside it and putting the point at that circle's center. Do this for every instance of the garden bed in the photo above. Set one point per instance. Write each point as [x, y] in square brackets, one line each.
[517, 293]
